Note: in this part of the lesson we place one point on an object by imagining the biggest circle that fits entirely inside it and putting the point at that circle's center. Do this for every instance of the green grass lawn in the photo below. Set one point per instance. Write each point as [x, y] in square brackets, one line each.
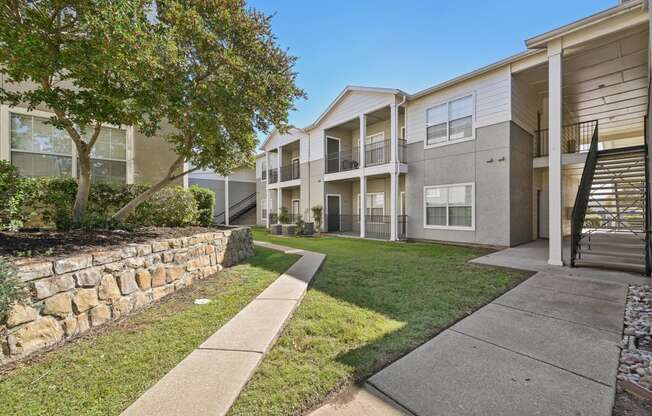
[371, 303]
[102, 374]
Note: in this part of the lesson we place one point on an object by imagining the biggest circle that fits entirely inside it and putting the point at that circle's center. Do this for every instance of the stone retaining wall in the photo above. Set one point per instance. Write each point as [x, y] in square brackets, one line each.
[72, 295]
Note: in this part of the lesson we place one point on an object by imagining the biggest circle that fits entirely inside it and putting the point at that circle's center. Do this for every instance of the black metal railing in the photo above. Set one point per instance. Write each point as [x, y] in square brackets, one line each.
[343, 161]
[377, 153]
[273, 176]
[583, 193]
[376, 226]
[402, 150]
[648, 247]
[290, 172]
[286, 218]
[575, 138]
[237, 209]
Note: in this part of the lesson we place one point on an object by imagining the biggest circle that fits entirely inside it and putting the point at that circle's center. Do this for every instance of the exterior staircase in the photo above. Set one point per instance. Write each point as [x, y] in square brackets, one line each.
[239, 209]
[612, 232]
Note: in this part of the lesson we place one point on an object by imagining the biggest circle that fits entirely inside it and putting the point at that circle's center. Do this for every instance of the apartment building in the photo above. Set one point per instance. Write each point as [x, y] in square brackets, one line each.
[549, 143]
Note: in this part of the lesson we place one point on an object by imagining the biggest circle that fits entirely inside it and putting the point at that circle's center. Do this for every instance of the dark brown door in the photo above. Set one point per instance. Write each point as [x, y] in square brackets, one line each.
[333, 214]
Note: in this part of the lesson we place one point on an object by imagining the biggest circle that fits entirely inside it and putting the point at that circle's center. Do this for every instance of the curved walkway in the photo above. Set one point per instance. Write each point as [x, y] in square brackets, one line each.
[209, 379]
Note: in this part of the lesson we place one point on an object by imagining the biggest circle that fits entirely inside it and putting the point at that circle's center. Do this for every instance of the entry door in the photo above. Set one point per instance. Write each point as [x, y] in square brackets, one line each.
[544, 226]
[333, 212]
[333, 154]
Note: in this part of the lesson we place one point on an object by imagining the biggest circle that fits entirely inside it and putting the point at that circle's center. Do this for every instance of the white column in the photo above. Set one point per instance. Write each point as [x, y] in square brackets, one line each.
[393, 123]
[5, 140]
[279, 199]
[267, 207]
[226, 200]
[393, 206]
[555, 256]
[363, 179]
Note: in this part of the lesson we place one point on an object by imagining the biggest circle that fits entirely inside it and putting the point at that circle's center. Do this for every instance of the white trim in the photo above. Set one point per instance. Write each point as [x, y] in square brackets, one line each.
[5, 139]
[130, 155]
[263, 209]
[448, 227]
[402, 135]
[367, 206]
[339, 200]
[292, 206]
[446, 102]
[339, 147]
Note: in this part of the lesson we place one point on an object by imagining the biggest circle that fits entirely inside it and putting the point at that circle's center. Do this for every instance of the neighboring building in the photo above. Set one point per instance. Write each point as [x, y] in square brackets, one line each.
[235, 195]
[492, 157]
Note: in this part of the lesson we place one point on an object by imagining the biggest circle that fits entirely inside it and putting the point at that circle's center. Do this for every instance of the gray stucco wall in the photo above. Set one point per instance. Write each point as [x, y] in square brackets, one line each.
[521, 192]
[237, 191]
[485, 161]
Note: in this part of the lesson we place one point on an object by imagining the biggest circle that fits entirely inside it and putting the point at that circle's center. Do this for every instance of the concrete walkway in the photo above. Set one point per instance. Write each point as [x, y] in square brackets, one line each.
[547, 347]
[209, 379]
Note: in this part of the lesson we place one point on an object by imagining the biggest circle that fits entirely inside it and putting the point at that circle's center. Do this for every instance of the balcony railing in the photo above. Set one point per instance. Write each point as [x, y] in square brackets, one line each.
[273, 176]
[291, 218]
[375, 154]
[342, 161]
[290, 172]
[376, 226]
[575, 138]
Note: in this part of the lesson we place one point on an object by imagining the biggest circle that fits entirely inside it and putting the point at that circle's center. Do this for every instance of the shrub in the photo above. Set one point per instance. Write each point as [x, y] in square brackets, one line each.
[317, 212]
[284, 217]
[301, 225]
[15, 194]
[12, 290]
[169, 207]
[205, 204]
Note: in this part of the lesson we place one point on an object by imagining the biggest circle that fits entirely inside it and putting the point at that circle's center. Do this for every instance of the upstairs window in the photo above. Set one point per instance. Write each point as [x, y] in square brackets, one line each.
[450, 121]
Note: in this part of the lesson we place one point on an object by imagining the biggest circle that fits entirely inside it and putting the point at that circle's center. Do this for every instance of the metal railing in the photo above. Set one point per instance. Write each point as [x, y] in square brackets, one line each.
[273, 176]
[575, 138]
[237, 209]
[583, 193]
[343, 161]
[376, 226]
[375, 154]
[290, 172]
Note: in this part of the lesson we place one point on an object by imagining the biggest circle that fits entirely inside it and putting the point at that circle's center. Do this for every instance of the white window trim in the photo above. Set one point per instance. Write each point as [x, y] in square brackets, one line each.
[5, 139]
[402, 134]
[447, 227]
[292, 206]
[382, 134]
[366, 206]
[263, 208]
[447, 101]
[339, 198]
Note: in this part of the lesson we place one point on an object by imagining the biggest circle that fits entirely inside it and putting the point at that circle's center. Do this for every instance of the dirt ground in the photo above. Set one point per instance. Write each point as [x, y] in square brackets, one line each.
[627, 404]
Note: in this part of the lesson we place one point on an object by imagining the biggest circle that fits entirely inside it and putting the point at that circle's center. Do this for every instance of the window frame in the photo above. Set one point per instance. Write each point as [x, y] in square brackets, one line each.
[448, 121]
[6, 149]
[263, 209]
[449, 227]
[370, 194]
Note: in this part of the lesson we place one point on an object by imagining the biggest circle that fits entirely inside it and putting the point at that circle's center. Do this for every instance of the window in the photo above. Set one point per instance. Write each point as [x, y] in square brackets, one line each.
[263, 170]
[450, 206]
[263, 210]
[450, 121]
[374, 204]
[40, 149]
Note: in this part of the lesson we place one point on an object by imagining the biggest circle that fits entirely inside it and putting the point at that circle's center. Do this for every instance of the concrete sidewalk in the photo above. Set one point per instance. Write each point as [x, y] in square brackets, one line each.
[547, 347]
[209, 379]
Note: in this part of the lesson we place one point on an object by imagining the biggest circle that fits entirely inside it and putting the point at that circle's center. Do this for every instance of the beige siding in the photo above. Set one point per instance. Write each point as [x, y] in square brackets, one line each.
[492, 102]
[524, 106]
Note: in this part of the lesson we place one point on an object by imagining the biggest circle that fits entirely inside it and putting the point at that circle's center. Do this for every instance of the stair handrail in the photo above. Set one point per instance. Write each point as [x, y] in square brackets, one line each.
[236, 208]
[582, 197]
[648, 250]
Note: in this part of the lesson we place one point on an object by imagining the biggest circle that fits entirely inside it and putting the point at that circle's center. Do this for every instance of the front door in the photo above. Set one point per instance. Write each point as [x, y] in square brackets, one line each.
[295, 209]
[333, 154]
[333, 212]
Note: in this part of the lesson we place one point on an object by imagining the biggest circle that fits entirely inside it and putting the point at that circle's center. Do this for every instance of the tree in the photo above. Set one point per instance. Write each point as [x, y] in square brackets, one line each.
[228, 80]
[90, 62]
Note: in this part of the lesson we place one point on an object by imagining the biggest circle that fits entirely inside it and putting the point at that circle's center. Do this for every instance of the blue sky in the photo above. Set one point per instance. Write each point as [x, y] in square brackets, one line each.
[407, 44]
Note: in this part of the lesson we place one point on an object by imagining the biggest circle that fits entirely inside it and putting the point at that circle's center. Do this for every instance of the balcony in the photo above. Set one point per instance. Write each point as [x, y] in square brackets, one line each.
[575, 138]
[290, 172]
[375, 154]
[273, 176]
[376, 226]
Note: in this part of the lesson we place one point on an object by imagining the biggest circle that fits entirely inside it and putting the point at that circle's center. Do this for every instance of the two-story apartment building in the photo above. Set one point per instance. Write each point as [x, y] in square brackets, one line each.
[496, 156]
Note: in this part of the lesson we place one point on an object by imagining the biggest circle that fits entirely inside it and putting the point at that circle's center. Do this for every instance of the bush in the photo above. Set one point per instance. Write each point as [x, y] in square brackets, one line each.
[205, 204]
[16, 193]
[12, 290]
[284, 216]
[317, 212]
[169, 207]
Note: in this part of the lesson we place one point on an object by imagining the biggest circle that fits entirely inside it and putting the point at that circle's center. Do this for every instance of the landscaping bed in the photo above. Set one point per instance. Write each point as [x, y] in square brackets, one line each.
[39, 244]
[105, 370]
[371, 303]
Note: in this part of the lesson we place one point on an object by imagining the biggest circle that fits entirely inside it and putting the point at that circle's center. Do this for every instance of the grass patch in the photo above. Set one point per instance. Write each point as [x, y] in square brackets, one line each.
[103, 373]
[371, 303]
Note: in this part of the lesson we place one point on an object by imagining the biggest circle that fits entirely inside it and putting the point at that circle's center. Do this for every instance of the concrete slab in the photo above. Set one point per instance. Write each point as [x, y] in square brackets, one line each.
[579, 286]
[592, 353]
[285, 287]
[454, 374]
[206, 382]
[365, 401]
[254, 328]
[592, 312]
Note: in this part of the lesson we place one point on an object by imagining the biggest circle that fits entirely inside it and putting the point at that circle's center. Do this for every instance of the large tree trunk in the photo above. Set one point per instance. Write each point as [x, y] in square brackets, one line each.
[83, 186]
[134, 203]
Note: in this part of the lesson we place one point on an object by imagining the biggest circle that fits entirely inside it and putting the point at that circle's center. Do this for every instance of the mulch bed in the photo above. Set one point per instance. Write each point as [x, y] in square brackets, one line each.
[42, 244]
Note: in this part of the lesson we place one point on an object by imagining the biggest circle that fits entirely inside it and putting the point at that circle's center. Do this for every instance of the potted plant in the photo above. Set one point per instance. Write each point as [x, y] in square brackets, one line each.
[317, 212]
